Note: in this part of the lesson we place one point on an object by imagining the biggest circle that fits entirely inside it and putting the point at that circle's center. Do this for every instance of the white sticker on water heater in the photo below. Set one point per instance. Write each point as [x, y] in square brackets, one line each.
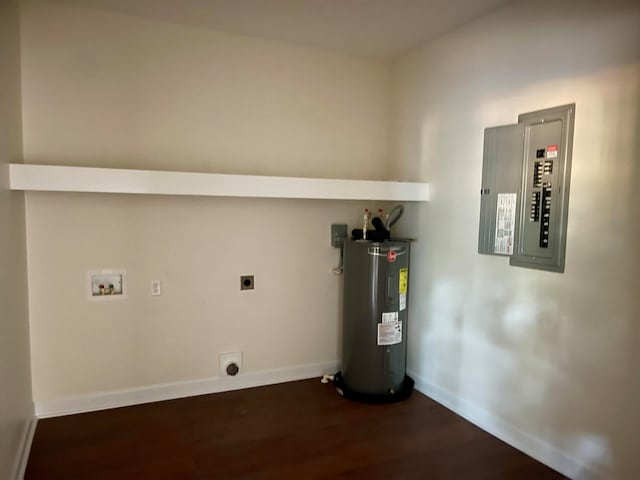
[389, 333]
[390, 317]
[403, 301]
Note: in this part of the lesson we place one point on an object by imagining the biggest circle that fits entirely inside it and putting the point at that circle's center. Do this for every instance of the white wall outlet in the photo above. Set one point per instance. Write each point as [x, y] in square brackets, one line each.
[106, 284]
[230, 364]
[156, 288]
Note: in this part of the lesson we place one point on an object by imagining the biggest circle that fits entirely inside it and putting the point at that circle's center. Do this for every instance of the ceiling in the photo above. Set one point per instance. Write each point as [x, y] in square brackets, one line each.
[381, 28]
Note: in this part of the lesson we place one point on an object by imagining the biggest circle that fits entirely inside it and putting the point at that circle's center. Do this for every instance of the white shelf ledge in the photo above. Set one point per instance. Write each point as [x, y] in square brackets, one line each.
[51, 178]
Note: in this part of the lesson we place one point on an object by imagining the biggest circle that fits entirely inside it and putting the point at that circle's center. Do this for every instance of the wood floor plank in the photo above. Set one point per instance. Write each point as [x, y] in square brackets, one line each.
[297, 430]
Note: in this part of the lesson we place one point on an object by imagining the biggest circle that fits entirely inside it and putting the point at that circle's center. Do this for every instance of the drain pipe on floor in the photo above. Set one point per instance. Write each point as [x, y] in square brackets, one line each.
[326, 378]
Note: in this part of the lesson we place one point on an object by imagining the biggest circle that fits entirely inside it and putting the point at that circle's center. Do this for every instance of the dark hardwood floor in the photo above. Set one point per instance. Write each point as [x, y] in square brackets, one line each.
[298, 430]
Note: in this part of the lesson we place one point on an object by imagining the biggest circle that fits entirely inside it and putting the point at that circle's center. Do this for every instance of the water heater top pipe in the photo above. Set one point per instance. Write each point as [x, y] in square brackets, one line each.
[394, 216]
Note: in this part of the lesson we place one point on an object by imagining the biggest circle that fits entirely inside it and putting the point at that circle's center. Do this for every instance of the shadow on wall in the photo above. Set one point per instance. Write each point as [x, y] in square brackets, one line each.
[570, 38]
[624, 412]
[570, 342]
[554, 355]
[598, 317]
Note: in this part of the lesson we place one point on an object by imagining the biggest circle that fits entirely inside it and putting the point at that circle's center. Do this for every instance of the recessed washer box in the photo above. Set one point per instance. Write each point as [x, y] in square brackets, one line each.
[106, 284]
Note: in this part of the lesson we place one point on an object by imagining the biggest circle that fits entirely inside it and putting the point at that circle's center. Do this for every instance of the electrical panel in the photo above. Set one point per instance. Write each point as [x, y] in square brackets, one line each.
[500, 172]
[525, 189]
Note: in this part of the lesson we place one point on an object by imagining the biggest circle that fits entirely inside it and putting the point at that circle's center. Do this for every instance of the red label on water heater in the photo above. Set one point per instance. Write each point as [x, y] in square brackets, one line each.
[391, 256]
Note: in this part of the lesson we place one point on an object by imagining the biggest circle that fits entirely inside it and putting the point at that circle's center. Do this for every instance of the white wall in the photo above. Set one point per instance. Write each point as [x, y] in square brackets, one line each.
[548, 361]
[113, 90]
[16, 408]
[120, 91]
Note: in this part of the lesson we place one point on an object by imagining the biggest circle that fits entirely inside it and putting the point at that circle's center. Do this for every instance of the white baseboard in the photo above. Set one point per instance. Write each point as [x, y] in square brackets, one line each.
[25, 447]
[168, 391]
[531, 445]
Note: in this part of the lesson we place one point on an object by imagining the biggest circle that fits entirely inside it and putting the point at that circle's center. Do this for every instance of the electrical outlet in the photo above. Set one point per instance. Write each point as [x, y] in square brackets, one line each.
[156, 288]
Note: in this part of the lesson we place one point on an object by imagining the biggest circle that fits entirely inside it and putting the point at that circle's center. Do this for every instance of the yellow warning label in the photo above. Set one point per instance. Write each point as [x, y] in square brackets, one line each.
[404, 277]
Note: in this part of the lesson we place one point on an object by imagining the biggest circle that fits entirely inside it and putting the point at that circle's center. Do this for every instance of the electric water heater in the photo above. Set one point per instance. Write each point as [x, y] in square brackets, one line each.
[374, 334]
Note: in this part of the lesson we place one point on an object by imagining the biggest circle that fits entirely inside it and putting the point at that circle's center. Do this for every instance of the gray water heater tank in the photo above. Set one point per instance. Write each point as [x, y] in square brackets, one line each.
[374, 336]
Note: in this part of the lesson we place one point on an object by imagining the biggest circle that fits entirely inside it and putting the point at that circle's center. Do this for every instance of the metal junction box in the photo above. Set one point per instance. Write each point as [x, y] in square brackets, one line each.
[526, 175]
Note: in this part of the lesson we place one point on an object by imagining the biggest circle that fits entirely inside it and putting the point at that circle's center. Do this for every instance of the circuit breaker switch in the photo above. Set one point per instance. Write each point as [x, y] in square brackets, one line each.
[537, 175]
[535, 207]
